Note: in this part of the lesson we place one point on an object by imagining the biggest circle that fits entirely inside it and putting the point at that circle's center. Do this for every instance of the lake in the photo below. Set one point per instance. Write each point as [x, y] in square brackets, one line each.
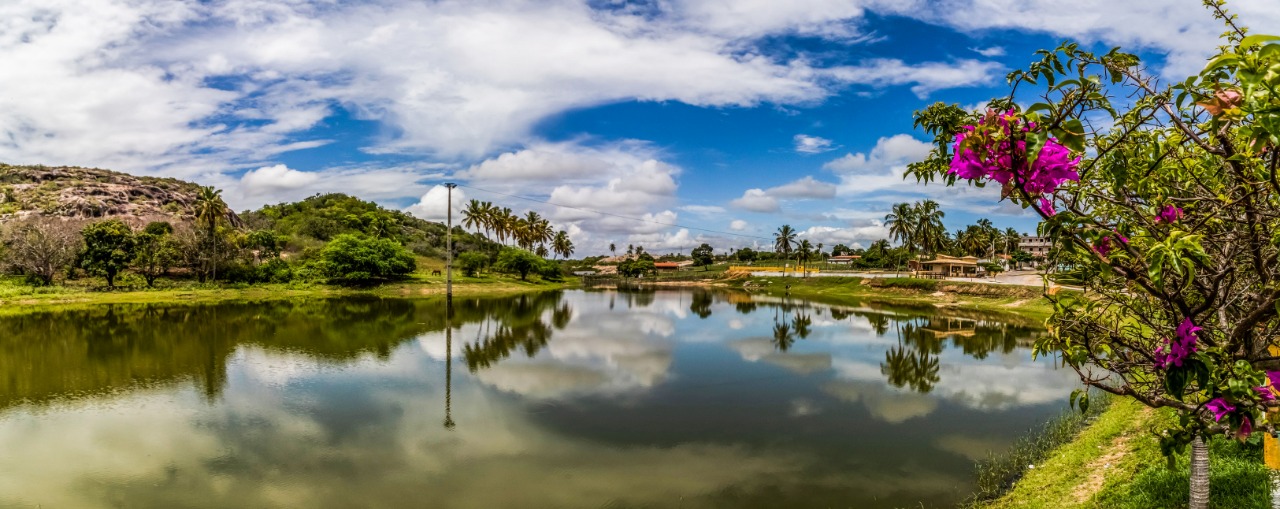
[563, 399]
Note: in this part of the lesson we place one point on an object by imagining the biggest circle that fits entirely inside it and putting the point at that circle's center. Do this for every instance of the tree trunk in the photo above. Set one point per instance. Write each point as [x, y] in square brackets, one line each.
[1199, 474]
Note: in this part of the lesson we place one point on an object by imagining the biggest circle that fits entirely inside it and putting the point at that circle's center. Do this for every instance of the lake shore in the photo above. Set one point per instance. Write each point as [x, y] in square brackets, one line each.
[19, 298]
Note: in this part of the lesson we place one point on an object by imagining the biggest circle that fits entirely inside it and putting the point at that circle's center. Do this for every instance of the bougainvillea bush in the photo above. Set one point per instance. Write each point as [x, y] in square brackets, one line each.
[1163, 202]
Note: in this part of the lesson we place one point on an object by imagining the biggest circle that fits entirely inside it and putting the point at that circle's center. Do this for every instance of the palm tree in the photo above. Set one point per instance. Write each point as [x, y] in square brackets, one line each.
[902, 225]
[613, 249]
[210, 210]
[783, 240]
[804, 253]
[1011, 240]
[473, 215]
[932, 235]
[562, 245]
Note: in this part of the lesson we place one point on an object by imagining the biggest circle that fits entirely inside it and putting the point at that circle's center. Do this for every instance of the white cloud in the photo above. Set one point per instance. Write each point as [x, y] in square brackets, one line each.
[807, 187]
[737, 225]
[432, 205]
[703, 210]
[994, 51]
[806, 144]
[275, 178]
[890, 154]
[924, 78]
[756, 200]
[855, 237]
[1184, 31]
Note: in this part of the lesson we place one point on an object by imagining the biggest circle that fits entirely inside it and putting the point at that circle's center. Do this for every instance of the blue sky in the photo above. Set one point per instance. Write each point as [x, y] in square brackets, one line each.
[730, 117]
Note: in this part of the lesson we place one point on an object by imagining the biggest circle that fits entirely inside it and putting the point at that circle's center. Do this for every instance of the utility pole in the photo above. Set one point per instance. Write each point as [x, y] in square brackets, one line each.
[448, 246]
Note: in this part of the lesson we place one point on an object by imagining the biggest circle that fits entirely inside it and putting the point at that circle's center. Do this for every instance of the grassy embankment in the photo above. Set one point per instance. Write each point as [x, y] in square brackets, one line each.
[1112, 462]
[15, 295]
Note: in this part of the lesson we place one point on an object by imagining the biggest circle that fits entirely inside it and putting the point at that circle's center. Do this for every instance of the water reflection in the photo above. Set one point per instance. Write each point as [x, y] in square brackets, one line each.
[638, 398]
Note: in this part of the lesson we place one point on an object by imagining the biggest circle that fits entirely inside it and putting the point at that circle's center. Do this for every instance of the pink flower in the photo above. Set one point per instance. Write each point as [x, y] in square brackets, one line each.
[1220, 408]
[1274, 376]
[1103, 245]
[1246, 427]
[1046, 206]
[1179, 348]
[978, 156]
[1265, 393]
[1169, 214]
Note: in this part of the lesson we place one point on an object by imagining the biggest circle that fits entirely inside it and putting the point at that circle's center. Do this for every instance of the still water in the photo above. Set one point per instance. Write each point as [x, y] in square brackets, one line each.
[578, 399]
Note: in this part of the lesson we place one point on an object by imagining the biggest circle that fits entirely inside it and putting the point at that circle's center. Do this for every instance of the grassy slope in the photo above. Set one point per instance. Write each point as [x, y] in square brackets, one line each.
[1116, 463]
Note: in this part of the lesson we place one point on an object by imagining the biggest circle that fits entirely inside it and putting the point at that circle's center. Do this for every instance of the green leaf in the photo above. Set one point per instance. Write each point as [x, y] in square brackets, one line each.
[1175, 381]
[1258, 38]
[1221, 61]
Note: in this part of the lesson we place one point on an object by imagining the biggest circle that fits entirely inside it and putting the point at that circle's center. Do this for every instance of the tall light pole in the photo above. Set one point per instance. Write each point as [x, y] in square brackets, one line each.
[448, 245]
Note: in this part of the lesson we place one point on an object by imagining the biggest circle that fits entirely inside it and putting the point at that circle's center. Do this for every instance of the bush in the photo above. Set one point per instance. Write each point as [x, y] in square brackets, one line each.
[518, 261]
[551, 271]
[358, 259]
[472, 262]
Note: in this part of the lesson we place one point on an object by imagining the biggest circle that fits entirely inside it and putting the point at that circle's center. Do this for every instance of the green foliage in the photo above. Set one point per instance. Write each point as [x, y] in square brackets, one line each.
[745, 254]
[471, 263]
[637, 267]
[324, 217]
[265, 242]
[702, 255]
[1169, 225]
[155, 252]
[350, 258]
[518, 261]
[108, 248]
[551, 271]
[158, 228]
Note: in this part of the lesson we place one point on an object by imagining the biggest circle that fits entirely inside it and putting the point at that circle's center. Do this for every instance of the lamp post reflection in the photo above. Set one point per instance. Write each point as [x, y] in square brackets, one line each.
[448, 365]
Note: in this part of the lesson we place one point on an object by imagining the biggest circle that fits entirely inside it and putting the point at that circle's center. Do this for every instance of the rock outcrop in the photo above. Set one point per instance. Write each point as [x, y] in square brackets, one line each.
[91, 193]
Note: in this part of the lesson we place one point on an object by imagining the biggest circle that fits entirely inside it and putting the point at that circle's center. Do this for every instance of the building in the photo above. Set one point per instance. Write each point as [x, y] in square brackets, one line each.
[842, 259]
[668, 266]
[946, 266]
[1037, 246]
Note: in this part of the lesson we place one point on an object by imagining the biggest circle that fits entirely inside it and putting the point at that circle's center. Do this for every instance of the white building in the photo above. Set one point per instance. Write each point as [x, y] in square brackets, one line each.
[1037, 246]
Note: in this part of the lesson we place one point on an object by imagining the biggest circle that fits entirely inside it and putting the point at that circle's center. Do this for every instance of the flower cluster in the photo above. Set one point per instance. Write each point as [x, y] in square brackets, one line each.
[991, 150]
[1169, 214]
[1179, 348]
[1103, 245]
[1221, 408]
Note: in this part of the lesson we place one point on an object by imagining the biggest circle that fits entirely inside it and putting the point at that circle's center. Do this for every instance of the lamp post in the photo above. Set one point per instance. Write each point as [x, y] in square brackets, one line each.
[448, 245]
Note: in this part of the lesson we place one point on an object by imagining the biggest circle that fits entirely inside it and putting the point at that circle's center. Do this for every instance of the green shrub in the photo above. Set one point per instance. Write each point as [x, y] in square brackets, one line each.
[472, 262]
[518, 261]
[359, 259]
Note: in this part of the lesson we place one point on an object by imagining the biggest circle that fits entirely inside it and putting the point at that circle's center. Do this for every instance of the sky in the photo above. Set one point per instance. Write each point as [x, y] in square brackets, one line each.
[683, 121]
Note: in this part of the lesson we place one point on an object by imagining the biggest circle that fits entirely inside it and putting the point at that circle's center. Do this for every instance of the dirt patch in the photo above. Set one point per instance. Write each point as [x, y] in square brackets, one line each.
[1016, 303]
[1102, 465]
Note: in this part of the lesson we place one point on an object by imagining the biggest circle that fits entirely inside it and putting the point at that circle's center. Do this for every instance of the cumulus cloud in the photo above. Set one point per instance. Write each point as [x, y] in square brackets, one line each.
[275, 178]
[756, 200]
[737, 225]
[891, 153]
[432, 205]
[806, 144]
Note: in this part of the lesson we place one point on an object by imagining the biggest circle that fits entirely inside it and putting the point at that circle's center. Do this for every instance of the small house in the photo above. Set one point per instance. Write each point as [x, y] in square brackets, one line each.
[947, 266]
[843, 259]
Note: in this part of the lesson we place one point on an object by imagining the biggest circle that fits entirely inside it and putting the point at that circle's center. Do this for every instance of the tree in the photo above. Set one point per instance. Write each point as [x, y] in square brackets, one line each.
[471, 263]
[745, 254]
[902, 225]
[804, 253]
[154, 253]
[1166, 216]
[613, 249]
[636, 267]
[562, 245]
[1020, 257]
[210, 210]
[929, 232]
[357, 259]
[40, 247]
[108, 248]
[784, 240]
[840, 250]
[518, 261]
[702, 255]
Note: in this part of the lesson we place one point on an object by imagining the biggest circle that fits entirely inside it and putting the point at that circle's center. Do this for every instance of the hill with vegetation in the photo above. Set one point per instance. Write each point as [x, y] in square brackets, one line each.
[92, 193]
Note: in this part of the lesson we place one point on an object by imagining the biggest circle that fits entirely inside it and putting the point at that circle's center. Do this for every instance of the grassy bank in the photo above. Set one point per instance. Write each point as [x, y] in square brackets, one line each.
[16, 296]
[1116, 462]
[1014, 303]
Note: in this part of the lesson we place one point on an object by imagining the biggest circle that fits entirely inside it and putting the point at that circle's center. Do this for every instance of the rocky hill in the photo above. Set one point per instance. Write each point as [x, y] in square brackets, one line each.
[90, 193]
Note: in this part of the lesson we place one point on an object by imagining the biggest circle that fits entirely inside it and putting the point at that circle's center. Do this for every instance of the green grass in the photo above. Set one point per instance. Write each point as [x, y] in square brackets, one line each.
[1017, 304]
[1116, 463]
